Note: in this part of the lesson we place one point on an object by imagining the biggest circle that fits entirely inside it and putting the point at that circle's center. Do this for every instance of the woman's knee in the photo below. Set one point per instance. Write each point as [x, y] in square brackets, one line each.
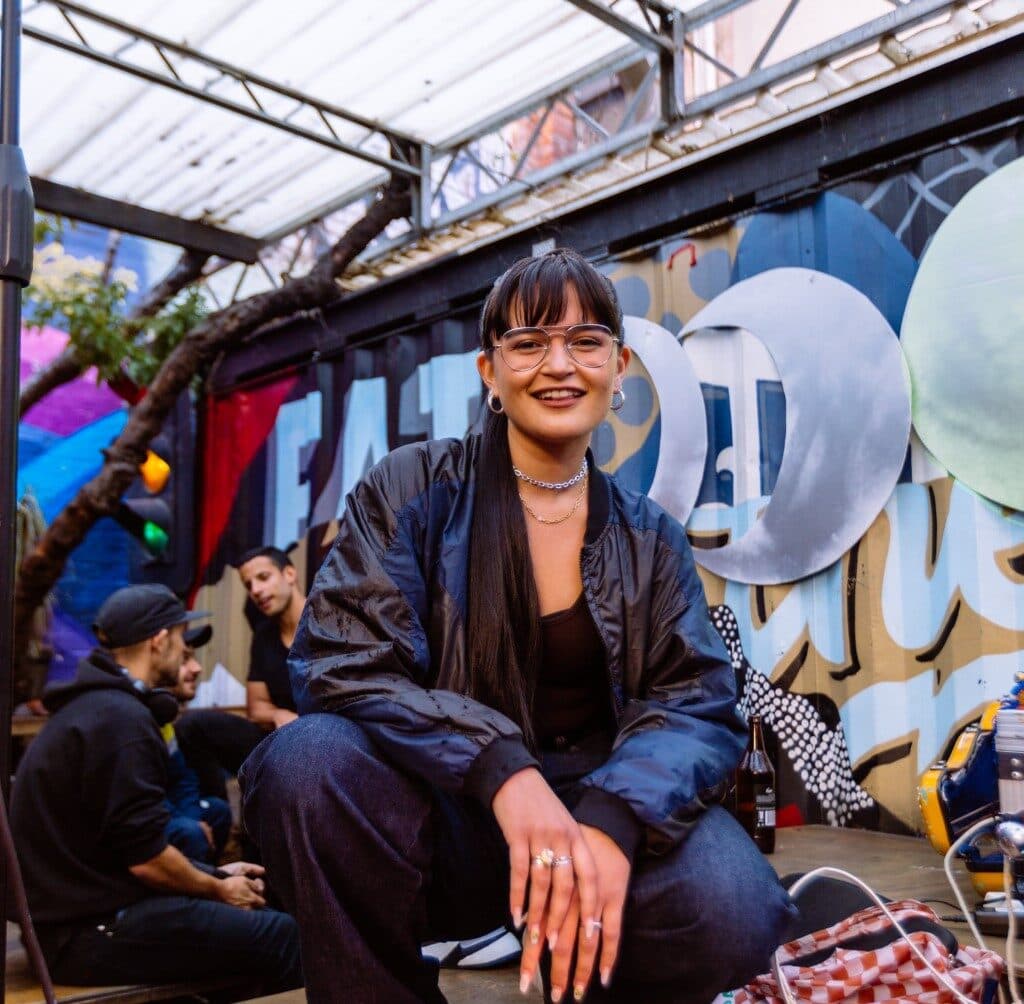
[711, 911]
[745, 911]
[295, 762]
[317, 771]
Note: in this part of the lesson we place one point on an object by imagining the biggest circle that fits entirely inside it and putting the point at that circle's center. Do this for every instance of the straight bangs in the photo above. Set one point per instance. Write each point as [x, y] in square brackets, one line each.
[533, 291]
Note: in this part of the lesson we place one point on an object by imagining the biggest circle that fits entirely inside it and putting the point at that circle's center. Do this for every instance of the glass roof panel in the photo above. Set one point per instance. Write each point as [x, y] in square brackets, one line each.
[434, 70]
[430, 68]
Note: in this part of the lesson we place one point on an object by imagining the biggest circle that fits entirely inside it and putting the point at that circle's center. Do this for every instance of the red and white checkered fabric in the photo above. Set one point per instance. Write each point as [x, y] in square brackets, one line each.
[890, 973]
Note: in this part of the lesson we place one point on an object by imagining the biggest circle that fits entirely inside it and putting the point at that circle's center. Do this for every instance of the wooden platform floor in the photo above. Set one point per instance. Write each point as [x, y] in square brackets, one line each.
[896, 866]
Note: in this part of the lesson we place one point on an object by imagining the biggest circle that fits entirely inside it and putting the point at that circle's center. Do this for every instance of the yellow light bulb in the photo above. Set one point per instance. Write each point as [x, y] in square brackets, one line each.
[155, 471]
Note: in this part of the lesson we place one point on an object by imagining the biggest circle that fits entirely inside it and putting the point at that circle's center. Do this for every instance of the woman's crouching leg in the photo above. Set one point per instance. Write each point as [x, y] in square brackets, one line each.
[703, 918]
[346, 842]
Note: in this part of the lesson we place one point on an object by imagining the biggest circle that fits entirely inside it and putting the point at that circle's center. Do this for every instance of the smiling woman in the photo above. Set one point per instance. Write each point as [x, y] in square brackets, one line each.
[520, 688]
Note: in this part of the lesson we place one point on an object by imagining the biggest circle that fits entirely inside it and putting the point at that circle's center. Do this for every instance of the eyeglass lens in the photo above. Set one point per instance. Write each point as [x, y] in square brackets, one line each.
[587, 344]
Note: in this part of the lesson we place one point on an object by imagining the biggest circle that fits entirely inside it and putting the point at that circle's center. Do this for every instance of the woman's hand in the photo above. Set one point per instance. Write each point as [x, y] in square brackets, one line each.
[613, 870]
[536, 825]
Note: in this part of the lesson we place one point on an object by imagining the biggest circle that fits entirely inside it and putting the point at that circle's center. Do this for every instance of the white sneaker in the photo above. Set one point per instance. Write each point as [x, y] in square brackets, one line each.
[498, 948]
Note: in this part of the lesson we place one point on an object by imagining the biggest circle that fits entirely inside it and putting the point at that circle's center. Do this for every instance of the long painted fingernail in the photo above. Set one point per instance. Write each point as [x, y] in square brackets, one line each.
[552, 940]
[524, 983]
[517, 918]
[534, 935]
[556, 995]
[578, 991]
[606, 978]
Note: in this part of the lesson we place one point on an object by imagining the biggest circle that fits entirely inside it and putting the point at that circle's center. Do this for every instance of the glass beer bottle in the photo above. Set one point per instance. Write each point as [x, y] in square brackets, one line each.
[755, 790]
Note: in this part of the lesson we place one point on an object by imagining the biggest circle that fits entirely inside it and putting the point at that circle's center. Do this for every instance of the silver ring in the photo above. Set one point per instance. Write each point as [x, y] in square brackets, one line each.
[545, 858]
[596, 923]
[561, 861]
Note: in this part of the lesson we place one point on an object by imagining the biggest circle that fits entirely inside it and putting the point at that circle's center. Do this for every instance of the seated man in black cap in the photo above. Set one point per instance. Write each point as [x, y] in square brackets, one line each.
[112, 901]
[200, 824]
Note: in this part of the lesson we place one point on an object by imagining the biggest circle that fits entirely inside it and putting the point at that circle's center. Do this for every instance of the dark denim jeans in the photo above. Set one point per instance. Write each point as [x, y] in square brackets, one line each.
[187, 835]
[175, 939]
[215, 744]
[373, 862]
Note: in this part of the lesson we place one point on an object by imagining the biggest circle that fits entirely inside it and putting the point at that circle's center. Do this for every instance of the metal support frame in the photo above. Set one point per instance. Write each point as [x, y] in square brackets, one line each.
[124, 216]
[648, 39]
[116, 56]
[664, 38]
[670, 44]
[15, 271]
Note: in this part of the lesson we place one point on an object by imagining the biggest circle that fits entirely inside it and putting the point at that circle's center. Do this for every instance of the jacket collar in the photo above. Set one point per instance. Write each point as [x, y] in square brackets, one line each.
[598, 501]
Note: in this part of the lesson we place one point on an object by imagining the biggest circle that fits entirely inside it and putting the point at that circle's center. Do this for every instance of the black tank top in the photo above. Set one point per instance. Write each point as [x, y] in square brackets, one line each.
[572, 699]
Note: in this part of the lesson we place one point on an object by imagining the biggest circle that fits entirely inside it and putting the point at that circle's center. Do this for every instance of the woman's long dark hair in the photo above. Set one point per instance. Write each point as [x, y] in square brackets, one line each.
[504, 639]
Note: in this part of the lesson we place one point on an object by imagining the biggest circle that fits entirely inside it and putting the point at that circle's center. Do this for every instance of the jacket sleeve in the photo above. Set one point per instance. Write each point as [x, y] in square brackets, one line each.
[361, 650]
[131, 787]
[681, 736]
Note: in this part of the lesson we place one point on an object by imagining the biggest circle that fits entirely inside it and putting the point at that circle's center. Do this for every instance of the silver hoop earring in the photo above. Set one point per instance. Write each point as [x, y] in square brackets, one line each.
[494, 403]
[621, 395]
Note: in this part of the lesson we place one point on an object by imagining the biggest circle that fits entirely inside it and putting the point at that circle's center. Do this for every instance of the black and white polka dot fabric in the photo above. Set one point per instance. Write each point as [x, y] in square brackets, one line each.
[817, 752]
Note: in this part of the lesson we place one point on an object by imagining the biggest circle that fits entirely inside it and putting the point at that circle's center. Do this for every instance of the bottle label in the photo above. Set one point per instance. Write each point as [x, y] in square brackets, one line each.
[764, 804]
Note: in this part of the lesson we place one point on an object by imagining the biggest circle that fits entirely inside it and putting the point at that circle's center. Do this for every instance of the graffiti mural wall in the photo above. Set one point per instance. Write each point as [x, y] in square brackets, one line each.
[871, 600]
[60, 441]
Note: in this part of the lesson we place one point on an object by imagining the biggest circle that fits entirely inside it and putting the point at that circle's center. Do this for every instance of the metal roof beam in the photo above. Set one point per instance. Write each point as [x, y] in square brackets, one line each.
[710, 10]
[648, 39]
[907, 15]
[244, 78]
[79, 205]
[612, 63]
[233, 71]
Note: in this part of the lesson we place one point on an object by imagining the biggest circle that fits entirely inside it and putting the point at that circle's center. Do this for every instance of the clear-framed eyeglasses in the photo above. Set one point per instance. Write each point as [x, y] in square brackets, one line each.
[526, 348]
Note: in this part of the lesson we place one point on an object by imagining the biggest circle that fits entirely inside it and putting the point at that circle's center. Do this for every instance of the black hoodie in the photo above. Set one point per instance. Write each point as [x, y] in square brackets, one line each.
[89, 797]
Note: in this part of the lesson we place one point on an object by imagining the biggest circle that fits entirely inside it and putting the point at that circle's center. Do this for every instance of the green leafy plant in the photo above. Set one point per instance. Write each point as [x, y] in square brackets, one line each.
[88, 300]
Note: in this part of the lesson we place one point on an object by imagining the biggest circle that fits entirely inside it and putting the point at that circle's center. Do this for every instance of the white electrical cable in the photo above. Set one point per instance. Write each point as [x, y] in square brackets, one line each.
[787, 994]
[947, 865]
[1011, 932]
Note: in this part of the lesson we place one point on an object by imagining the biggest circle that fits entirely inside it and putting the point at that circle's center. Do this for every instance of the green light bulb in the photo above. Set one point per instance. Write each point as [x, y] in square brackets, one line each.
[155, 537]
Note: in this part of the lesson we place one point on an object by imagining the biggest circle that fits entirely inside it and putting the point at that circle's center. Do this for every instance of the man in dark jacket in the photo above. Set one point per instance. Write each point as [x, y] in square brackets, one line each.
[112, 901]
[200, 824]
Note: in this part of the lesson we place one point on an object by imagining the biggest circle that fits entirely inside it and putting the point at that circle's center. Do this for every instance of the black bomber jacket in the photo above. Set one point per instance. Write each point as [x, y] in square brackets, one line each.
[383, 635]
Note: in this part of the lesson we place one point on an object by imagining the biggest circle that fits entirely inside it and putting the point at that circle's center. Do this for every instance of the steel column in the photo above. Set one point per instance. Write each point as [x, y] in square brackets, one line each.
[15, 270]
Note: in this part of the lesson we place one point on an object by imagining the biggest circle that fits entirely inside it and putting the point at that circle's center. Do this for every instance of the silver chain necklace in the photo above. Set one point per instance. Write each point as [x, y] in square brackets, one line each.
[553, 486]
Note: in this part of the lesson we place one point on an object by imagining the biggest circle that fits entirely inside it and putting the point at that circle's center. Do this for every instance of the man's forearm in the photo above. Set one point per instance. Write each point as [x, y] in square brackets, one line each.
[268, 714]
[171, 871]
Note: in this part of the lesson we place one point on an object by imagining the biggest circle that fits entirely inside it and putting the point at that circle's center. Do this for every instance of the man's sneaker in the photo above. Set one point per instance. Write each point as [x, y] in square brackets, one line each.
[498, 948]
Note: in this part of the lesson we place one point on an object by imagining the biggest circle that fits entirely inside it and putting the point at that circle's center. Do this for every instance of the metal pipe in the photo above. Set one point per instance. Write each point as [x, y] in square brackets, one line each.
[15, 270]
[10, 74]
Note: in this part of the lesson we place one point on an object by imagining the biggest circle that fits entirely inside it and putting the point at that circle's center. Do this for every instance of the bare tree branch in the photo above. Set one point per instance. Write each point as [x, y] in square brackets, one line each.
[60, 370]
[114, 239]
[67, 366]
[100, 497]
[187, 269]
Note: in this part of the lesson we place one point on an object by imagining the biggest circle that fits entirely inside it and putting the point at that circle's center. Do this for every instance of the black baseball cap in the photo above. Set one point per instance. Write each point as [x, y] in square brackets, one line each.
[135, 613]
[197, 637]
